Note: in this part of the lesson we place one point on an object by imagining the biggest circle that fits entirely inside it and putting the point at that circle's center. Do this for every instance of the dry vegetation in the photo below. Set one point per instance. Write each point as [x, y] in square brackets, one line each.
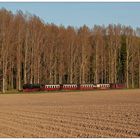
[32, 51]
[113, 113]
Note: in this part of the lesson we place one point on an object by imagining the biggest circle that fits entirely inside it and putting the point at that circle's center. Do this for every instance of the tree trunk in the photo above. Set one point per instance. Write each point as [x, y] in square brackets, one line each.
[127, 70]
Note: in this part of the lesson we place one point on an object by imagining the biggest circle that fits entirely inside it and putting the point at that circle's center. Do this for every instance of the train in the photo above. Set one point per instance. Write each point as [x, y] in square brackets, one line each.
[66, 87]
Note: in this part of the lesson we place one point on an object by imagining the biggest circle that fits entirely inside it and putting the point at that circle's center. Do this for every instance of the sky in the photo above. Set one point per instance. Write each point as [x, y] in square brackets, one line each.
[79, 14]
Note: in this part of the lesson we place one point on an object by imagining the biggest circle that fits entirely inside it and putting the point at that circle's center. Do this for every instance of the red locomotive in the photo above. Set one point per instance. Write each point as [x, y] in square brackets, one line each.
[32, 87]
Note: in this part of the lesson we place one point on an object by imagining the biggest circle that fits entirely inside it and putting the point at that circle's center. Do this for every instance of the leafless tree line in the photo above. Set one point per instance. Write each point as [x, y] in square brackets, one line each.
[34, 52]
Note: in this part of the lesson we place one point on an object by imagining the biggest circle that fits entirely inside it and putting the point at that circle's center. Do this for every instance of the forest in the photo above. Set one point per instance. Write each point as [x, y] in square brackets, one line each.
[32, 51]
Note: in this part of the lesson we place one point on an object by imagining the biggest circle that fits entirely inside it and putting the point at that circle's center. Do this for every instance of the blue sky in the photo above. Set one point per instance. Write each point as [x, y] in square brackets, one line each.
[78, 14]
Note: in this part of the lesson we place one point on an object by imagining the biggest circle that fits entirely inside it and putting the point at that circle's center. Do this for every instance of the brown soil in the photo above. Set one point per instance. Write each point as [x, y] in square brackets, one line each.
[114, 113]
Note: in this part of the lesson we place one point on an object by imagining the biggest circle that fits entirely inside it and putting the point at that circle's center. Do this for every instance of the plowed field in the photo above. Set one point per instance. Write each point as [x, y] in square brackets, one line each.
[114, 113]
